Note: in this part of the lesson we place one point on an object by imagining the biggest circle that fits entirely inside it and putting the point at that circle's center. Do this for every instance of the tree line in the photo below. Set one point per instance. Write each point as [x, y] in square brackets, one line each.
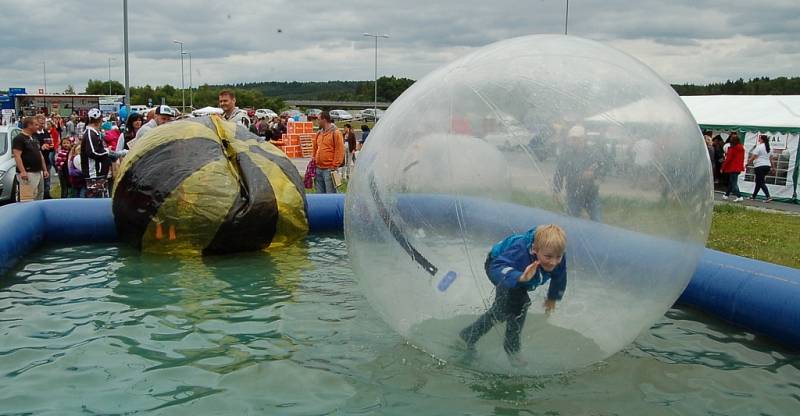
[389, 88]
[753, 86]
[273, 94]
[202, 96]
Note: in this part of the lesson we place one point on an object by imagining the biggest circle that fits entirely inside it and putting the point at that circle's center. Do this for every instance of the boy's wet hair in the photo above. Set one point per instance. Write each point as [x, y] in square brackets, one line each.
[550, 236]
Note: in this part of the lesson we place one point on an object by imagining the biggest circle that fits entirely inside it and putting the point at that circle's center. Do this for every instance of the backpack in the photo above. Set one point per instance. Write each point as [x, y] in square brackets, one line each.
[73, 171]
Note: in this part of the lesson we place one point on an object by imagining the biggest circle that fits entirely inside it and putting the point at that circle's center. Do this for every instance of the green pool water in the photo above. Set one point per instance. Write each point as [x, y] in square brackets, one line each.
[102, 330]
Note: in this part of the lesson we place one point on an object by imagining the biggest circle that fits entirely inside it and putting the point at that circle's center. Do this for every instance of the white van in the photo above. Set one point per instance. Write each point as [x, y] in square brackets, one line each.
[8, 167]
[141, 109]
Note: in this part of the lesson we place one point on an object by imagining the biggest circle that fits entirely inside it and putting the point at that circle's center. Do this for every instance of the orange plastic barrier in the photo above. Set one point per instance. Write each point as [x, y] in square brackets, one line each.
[298, 140]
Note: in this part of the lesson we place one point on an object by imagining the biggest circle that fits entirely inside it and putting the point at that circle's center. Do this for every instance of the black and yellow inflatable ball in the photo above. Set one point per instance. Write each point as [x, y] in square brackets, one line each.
[207, 186]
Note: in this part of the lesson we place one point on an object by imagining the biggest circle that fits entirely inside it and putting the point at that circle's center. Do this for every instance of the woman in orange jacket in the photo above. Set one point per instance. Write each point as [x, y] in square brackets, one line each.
[733, 166]
[328, 153]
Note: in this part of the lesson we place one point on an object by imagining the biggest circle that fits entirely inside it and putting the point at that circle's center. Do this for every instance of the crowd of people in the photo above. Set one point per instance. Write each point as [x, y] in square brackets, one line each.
[80, 152]
[83, 153]
[728, 160]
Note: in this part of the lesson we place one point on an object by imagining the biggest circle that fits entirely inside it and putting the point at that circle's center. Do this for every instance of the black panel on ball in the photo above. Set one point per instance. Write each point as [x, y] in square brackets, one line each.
[253, 218]
[150, 179]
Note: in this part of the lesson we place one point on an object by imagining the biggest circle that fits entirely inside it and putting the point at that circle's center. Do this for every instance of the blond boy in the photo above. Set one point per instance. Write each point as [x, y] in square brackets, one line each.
[516, 265]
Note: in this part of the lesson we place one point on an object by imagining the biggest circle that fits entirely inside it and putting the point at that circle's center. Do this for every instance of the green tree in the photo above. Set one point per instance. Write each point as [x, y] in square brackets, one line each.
[754, 86]
[389, 88]
[97, 87]
[94, 87]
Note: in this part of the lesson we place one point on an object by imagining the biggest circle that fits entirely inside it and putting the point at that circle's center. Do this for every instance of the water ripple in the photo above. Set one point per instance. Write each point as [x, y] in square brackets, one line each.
[103, 330]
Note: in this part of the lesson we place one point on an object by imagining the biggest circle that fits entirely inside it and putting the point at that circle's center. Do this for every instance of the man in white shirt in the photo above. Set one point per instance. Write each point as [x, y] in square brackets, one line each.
[227, 101]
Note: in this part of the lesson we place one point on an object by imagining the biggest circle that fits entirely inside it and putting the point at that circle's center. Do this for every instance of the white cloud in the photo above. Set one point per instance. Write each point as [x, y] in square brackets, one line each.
[238, 41]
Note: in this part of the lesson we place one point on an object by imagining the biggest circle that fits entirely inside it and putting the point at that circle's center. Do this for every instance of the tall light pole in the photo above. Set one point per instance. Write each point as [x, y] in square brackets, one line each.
[376, 36]
[44, 75]
[109, 74]
[125, 36]
[566, 18]
[191, 90]
[183, 88]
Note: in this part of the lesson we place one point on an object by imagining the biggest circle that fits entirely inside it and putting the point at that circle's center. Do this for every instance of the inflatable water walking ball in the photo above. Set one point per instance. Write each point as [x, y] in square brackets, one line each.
[204, 185]
[524, 132]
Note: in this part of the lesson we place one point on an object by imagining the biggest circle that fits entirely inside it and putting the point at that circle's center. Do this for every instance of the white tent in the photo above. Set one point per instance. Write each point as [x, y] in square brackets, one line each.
[776, 116]
[645, 110]
[762, 111]
[207, 111]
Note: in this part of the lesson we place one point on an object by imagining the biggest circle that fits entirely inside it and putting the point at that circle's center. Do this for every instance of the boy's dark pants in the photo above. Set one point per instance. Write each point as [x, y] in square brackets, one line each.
[511, 306]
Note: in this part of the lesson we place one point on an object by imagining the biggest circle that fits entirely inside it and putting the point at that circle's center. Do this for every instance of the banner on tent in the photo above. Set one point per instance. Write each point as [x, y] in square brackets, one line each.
[783, 155]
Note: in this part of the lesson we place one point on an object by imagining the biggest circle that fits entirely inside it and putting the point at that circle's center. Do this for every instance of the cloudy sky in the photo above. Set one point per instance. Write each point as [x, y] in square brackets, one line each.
[233, 41]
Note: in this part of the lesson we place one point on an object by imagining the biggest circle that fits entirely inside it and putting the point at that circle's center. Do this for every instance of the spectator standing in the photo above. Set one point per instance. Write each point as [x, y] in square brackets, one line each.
[328, 153]
[70, 128]
[80, 128]
[95, 160]
[579, 168]
[42, 135]
[709, 145]
[227, 102]
[733, 166]
[77, 184]
[281, 127]
[62, 167]
[163, 114]
[260, 127]
[132, 126]
[644, 154]
[31, 167]
[719, 157]
[350, 141]
[762, 164]
[55, 138]
[364, 133]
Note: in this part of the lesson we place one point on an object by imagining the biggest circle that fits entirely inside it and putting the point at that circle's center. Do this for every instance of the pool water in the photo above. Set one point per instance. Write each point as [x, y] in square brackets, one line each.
[103, 330]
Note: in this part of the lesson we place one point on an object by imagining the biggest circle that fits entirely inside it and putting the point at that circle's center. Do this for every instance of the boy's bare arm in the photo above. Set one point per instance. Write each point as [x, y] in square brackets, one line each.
[529, 272]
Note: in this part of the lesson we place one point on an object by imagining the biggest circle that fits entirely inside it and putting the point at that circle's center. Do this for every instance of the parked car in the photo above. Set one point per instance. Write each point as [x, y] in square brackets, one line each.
[369, 114]
[141, 109]
[339, 115]
[8, 167]
[265, 113]
[291, 113]
[313, 113]
[506, 132]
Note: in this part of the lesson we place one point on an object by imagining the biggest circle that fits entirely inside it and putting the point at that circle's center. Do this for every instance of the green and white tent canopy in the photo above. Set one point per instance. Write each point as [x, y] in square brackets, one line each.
[777, 116]
[778, 113]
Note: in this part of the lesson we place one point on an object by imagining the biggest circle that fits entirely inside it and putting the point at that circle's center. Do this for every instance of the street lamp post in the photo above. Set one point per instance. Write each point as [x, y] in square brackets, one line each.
[125, 29]
[44, 75]
[375, 104]
[183, 88]
[109, 74]
[191, 89]
[566, 18]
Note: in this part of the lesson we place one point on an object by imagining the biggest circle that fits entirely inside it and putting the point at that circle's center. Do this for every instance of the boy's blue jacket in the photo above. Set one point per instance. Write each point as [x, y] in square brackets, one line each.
[510, 257]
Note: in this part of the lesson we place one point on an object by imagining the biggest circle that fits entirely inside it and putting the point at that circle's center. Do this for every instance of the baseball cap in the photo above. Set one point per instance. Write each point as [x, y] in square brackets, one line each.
[94, 113]
[165, 110]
